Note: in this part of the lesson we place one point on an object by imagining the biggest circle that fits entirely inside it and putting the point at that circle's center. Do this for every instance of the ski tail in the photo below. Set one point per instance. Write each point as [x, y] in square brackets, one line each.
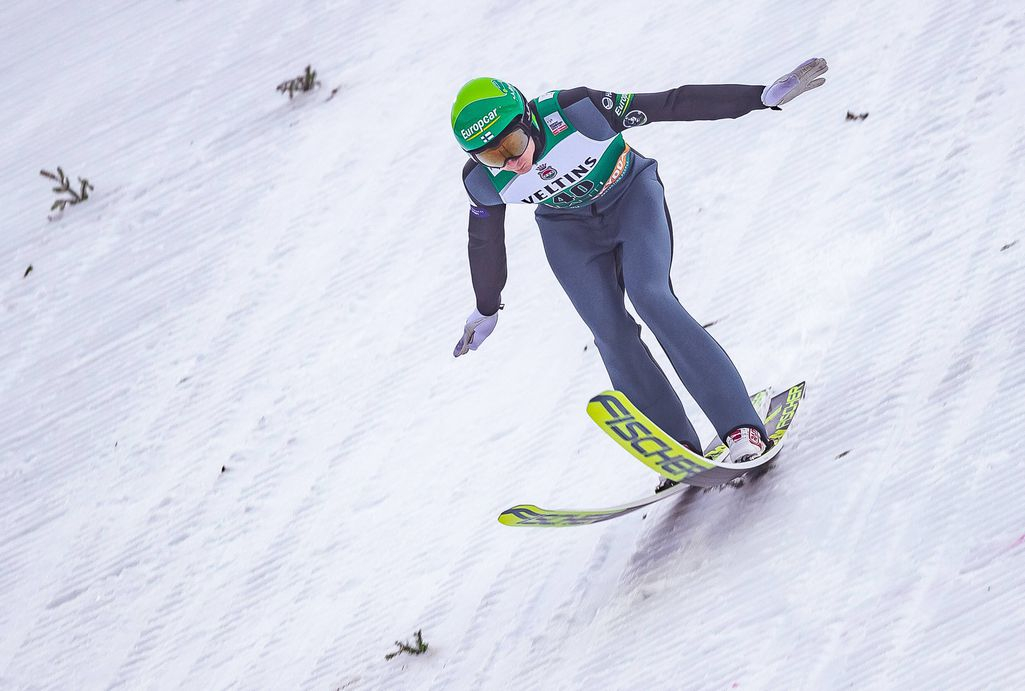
[529, 515]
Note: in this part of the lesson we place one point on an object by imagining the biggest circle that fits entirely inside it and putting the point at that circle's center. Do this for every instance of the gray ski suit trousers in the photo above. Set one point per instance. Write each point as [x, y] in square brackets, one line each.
[624, 245]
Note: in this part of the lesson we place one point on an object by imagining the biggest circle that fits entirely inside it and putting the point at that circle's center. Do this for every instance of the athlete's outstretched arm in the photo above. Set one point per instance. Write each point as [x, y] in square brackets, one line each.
[688, 102]
[693, 101]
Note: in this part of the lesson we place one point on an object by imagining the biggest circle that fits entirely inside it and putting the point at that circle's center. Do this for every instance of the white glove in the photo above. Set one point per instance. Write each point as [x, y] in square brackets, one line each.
[805, 77]
[478, 327]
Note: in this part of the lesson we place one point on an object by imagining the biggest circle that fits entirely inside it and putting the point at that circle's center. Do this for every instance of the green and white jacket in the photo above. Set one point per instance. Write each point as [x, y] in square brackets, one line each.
[581, 156]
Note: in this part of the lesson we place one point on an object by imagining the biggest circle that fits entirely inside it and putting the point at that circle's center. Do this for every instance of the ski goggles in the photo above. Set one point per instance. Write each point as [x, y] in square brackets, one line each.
[511, 144]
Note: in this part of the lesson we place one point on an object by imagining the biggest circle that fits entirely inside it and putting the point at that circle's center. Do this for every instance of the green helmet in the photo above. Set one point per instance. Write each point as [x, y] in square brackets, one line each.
[483, 108]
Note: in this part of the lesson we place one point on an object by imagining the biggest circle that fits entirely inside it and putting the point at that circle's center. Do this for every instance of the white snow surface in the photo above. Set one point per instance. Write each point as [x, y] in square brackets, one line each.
[275, 287]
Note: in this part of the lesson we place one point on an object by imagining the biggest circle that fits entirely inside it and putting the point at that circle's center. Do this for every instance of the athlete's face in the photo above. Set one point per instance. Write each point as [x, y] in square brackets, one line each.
[521, 164]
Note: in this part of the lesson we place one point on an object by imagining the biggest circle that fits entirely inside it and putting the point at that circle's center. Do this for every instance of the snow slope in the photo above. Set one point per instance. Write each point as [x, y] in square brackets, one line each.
[274, 288]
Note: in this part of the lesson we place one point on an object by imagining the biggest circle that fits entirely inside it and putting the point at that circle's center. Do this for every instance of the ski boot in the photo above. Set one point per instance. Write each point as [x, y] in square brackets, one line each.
[745, 444]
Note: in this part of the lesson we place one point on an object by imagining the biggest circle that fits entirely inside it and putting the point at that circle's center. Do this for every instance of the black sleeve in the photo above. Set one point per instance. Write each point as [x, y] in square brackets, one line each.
[688, 102]
[486, 249]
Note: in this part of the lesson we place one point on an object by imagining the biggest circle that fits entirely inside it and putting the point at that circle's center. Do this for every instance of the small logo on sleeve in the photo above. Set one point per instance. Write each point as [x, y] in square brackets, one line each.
[479, 211]
[635, 118]
[622, 103]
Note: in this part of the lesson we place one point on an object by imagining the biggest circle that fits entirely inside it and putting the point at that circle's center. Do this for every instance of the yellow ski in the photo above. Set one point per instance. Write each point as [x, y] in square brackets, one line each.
[653, 447]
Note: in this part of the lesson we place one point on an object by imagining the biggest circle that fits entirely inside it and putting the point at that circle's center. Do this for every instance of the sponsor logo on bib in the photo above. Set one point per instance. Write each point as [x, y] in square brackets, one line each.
[546, 172]
[555, 123]
[569, 182]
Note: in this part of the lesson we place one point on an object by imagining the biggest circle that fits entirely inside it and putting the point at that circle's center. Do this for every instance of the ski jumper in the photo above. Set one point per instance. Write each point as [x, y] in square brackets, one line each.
[606, 232]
